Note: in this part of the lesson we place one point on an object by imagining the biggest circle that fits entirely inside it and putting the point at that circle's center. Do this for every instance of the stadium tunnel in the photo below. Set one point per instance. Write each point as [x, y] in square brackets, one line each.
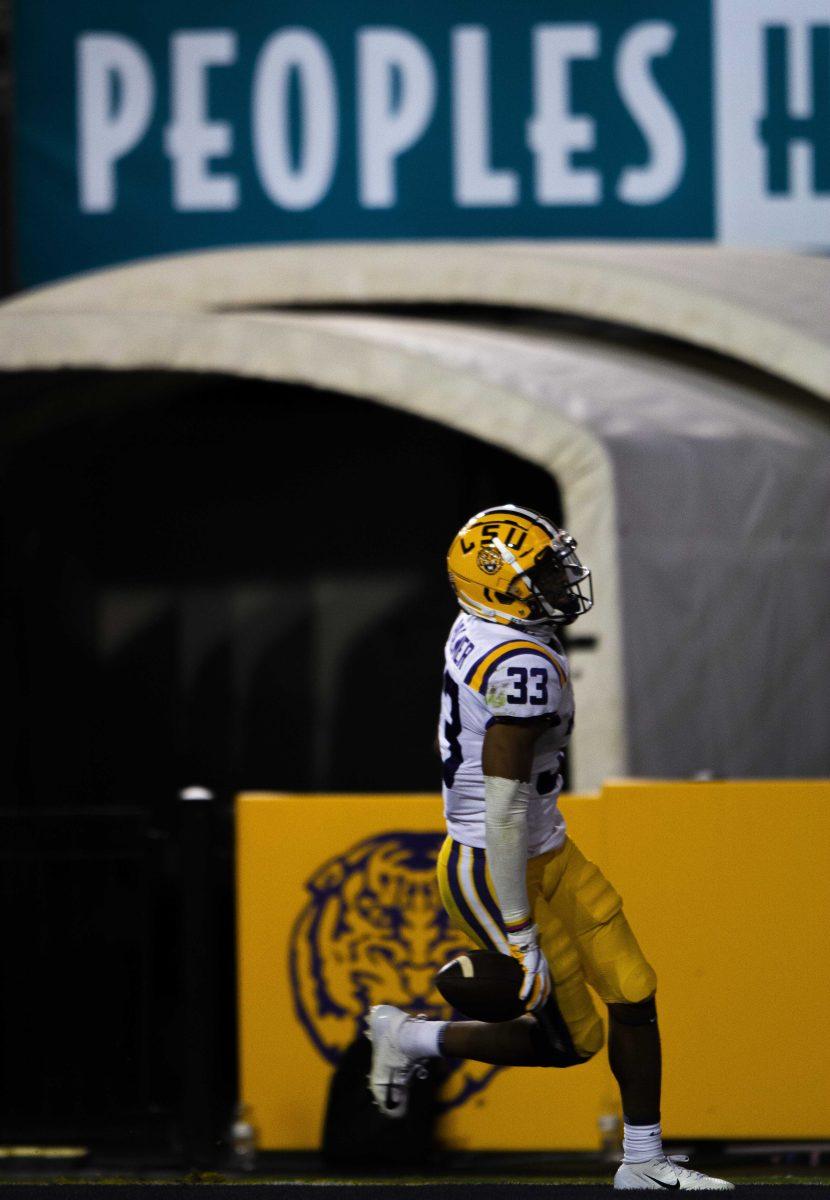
[177, 433]
[676, 396]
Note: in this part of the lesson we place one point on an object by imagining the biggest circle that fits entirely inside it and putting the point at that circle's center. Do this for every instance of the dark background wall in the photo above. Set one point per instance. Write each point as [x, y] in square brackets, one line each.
[231, 582]
[214, 581]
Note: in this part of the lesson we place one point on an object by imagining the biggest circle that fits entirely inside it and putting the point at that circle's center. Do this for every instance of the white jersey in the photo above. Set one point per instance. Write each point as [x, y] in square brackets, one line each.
[496, 673]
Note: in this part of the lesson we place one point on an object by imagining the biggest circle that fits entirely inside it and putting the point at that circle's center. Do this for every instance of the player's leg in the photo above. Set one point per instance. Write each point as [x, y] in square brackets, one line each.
[507, 1044]
[635, 1058]
[617, 969]
[614, 965]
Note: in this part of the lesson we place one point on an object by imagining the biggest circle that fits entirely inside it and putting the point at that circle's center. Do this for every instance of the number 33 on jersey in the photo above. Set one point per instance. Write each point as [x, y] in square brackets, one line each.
[493, 673]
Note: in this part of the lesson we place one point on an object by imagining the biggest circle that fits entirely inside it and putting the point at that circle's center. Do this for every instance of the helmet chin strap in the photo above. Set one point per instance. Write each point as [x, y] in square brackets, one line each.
[511, 560]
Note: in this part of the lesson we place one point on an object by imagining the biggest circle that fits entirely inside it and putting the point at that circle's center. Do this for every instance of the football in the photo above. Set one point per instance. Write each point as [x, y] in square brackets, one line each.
[483, 985]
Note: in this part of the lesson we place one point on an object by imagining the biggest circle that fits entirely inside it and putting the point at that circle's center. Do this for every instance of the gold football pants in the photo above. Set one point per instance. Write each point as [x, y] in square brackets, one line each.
[583, 931]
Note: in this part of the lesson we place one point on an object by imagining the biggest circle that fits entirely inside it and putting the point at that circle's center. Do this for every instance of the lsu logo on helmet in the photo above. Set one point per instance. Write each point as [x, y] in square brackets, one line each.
[513, 566]
[374, 931]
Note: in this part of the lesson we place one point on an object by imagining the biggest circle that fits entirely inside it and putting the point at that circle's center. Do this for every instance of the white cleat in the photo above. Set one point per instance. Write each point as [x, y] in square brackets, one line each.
[392, 1070]
[666, 1174]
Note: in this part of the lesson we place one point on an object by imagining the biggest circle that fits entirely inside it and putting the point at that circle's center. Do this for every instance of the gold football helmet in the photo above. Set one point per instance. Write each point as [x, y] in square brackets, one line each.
[515, 567]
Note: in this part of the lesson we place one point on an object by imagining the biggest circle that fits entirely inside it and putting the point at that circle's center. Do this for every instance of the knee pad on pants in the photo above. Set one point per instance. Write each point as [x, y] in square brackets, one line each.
[618, 971]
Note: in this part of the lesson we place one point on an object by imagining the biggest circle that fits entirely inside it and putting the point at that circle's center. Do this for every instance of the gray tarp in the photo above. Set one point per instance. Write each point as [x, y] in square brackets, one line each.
[722, 503]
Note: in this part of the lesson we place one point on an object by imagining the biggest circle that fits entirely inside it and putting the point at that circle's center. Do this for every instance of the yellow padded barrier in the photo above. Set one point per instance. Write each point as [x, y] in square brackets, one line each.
[728, 887]
[724, 883]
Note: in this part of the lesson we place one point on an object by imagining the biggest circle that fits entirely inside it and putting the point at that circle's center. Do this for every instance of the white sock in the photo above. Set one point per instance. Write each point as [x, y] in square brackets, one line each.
[642, 1142]
[419, 1039]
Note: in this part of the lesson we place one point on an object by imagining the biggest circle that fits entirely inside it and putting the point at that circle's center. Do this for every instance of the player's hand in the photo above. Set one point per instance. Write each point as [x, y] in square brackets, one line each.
[525, 948]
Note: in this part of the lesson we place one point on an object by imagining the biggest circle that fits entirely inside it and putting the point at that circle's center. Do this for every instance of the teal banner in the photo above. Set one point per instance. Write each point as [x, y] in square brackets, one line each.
[144, 129]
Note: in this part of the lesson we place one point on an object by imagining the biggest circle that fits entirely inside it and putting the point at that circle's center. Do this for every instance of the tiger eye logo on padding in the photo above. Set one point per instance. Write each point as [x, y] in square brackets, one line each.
[489, 560]
[373, 931]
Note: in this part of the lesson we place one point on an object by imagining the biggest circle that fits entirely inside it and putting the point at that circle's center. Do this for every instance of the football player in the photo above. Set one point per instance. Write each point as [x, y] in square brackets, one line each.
[509, 875]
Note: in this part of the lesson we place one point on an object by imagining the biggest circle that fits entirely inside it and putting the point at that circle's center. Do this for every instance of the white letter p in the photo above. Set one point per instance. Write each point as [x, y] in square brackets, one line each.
[387, 128]
[107, 129]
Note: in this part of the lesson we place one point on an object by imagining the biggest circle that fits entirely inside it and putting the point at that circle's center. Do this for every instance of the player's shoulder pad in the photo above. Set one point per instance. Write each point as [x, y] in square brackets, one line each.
[518, 652]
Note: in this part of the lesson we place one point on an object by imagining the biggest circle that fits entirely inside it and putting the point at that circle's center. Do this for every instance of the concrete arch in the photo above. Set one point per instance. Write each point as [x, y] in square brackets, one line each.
[769, 310]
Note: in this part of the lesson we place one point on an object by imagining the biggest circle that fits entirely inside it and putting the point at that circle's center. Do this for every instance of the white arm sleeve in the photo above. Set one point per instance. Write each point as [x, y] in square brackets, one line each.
[505, 833]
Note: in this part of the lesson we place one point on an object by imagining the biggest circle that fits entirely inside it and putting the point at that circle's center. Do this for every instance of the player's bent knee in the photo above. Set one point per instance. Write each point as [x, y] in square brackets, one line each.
[558, 1046]
[560, 1056]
